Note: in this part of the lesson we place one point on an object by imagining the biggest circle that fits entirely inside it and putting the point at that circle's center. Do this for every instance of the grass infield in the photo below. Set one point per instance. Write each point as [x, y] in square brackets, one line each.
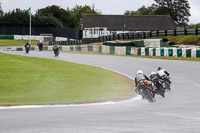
[30, 80]
[7, 42]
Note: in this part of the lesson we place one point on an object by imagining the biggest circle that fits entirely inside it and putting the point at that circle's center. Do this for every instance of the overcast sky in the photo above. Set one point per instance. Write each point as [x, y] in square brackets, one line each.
[115, 7]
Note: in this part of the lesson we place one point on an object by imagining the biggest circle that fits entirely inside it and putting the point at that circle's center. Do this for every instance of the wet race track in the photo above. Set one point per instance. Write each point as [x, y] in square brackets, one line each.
[178, 112]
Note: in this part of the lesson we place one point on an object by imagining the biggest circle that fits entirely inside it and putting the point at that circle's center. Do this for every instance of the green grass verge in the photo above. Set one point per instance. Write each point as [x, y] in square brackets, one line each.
[168, 57]
[188, 39]
[30, 80]
[7, 42]
[182, 39]
[178, 39]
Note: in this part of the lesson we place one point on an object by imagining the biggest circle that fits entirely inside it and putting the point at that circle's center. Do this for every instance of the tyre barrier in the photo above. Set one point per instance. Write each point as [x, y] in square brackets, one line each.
[92, 48]
[126, 50]
[144, 51]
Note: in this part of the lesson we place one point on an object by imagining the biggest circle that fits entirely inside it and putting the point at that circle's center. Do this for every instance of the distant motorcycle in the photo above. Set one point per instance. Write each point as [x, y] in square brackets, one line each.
[27, 47]
[56, 50]
[164, 75]
[148, 90]
[40, 45]
[160, 86]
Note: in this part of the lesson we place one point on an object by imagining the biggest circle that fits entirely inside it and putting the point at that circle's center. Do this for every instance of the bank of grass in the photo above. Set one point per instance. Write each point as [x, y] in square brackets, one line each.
[187, 40]
[7, 42]
[30, 80]
[183, 39]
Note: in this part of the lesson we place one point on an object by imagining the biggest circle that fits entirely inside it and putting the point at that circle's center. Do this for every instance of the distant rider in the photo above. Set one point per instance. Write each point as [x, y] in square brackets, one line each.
[154, 78]
[162, 73]
[40, 45]
[27, 45]
[56, 49]
[153, 75]
[139, 77]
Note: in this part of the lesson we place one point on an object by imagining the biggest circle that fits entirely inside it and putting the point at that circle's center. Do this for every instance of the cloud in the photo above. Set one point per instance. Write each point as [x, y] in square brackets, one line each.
[194, 10]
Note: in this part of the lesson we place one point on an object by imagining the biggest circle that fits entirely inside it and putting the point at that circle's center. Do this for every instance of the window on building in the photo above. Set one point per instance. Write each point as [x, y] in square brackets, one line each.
[114, 32]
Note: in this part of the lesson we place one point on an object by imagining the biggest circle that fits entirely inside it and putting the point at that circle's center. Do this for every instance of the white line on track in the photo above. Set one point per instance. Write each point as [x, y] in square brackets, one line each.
[70, 105]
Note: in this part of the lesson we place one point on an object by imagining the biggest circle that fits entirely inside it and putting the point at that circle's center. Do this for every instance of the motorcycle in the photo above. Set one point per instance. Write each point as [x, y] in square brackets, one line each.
[147, 90]
[56, 50]
[160, 86]
[167, 82]
[40, 46]
[27, 47]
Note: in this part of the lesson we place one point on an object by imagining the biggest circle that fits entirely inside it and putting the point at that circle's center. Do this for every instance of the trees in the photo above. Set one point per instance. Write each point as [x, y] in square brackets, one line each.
[141, 11]
[1, 12]
[78, 11]
[16, 16]
[46, 20]
[194, 25]
[177, 9]
[51, 15]
[66, 18]
[62, 16]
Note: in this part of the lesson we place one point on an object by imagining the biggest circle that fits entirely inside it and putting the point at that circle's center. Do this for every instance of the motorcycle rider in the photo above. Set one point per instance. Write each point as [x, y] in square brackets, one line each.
[56, 49]
[139, 77]
[40, 45]
[159, 84]
[27, 46]
[163, 73]
[153, 75]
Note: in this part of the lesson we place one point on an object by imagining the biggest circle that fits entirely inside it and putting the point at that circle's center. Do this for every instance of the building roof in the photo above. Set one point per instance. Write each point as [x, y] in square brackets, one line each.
[129, 23]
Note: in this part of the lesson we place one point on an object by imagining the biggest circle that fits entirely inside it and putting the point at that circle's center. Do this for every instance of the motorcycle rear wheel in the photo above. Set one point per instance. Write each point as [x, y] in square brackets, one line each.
[148, 94]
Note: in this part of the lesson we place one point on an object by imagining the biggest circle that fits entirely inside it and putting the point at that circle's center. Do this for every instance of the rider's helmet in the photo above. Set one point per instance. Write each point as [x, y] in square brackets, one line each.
[152, 73]
[139, 72]
[159, 68]
[27, 43]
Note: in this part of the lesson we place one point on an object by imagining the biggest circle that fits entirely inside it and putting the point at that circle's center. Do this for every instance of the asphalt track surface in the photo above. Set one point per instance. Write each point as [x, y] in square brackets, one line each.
[178, 112]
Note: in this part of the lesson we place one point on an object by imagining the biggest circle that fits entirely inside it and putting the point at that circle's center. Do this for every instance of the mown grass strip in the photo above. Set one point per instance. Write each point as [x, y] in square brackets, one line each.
[7, 42]
[182, 39]
[30, 80]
